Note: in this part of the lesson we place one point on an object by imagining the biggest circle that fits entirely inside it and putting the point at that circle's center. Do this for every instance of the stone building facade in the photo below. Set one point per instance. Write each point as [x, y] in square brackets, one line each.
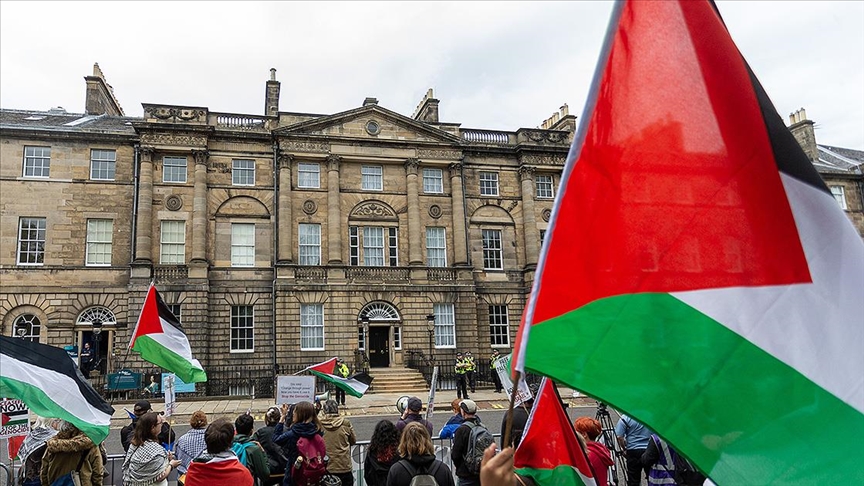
[285, 238]
[279, 239]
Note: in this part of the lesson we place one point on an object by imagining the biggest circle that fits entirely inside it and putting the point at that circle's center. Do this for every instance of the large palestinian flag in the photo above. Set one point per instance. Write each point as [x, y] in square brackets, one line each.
[697, 272]
[549, 452]
[49, 383]
[354, 385]
[160, 340]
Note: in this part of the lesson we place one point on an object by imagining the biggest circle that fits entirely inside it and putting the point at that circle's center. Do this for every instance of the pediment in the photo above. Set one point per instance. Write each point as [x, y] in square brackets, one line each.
[370, 123]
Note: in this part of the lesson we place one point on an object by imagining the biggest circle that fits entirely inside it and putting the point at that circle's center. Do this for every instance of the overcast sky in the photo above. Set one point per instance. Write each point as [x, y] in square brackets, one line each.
[498, 65]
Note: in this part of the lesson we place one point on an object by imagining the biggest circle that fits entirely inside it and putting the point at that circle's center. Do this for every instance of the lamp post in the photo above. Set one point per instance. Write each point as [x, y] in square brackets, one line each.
[364, 321]
[97, 331]
[430, 328]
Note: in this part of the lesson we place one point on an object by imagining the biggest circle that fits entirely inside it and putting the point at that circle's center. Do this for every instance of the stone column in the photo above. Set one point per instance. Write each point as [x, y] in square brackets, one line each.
[415, 248]
[199, 208]
[144, 222]
[286, 222]
[460, 250]
[334, 228]
[529, 220]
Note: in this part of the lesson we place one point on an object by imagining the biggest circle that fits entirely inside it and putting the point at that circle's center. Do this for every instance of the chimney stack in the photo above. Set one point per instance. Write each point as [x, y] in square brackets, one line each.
[99, 98]
[427, 110]
[271, 95]
[805, 134]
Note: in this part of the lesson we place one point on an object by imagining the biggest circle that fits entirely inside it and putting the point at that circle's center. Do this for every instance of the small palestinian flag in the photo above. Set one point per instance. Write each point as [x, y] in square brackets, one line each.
[697, 273]
[49, 383]
[160, 340]
[549, 452]
[355, 385]
[18, 417]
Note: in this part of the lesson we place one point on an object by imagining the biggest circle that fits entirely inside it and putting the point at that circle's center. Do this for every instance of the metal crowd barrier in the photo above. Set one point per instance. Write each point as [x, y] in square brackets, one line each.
[358, 456]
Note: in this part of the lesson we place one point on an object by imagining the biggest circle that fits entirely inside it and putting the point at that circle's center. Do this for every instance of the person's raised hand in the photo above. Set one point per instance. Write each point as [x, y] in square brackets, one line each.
[497, 468]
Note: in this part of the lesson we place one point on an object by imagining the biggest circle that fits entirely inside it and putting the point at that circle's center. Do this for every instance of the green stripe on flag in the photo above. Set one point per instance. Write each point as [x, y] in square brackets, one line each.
[558, 476]
[343, 384]
[42, 404]
[154, 352]
[670, 366]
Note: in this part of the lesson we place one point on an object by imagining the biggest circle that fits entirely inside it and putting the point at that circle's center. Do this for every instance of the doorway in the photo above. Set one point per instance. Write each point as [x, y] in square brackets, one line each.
[98, 362]
[379, 346]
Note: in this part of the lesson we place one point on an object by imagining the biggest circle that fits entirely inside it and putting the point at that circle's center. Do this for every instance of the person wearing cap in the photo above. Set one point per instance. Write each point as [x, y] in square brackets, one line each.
[343, 371]
[461, 368]
[460, 443]
[166, 435]
[493, 360]
[412, 414]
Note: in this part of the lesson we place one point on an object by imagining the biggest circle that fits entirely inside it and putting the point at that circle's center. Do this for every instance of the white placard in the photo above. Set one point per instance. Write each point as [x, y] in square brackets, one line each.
[292, 389]
[16, 418]
[170, 396]
[430, 405]
[502, 367]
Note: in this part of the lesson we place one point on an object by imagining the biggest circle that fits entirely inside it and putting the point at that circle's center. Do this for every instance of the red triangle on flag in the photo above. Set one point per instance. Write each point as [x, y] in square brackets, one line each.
[326, 367]
[4, 419]
[148, 321]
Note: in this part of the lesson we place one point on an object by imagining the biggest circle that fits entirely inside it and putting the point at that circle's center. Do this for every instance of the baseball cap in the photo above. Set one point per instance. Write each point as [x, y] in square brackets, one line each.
[414, 404]
[468, 406]
[459, 353]
[142, 407]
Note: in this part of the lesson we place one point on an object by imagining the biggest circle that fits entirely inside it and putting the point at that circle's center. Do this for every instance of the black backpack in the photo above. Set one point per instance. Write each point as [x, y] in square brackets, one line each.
[478, 441]
[686, 473]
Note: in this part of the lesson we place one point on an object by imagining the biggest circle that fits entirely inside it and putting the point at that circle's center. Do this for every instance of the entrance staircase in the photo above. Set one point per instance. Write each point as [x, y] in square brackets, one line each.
[405, 381]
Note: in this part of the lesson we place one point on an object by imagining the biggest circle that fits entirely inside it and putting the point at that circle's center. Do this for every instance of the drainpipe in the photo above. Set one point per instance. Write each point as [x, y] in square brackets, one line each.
[465, 212]
[274, 252]
[137, 171]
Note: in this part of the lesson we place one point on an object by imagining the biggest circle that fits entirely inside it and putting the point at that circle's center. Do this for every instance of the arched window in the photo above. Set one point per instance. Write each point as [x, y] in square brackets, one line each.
[380, 311]
[27, 326]
[96, 313]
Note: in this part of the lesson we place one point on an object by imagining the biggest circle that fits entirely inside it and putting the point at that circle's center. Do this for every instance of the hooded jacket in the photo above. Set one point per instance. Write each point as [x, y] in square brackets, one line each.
[288, 440]
[375, 471]
[338, 437]
[400, 475]
[275, 455]
[62, 455]
[222, 468]
[256, 459]
[600, 459]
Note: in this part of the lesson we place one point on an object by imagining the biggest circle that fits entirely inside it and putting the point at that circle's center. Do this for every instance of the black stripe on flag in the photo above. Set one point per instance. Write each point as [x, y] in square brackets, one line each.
[165, 312]
[55, 360]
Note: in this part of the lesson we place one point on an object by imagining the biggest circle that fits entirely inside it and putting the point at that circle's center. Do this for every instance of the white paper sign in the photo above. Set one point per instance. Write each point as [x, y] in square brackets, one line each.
[16, 418]
[502, 366]
[292, 389]
[170, 397]
[430, 405]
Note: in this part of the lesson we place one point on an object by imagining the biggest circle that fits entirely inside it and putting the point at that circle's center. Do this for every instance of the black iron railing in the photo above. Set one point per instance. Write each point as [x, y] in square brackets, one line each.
[447, 377]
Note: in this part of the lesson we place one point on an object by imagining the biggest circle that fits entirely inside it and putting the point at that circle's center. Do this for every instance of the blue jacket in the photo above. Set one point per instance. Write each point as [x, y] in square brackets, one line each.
[451, 426]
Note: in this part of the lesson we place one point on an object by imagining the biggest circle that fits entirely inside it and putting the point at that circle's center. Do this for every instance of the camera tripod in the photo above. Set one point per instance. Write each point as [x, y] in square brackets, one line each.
[618, 469]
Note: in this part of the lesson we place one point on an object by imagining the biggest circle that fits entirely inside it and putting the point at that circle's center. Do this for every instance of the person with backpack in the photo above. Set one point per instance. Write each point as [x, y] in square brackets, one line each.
[275, 457]
[418, 466]
[70, 450]
[249, 452]
[338, 438]
[667, 467]
[33, 448]
[218, 465]
[303, 445]
[381, 454]
[469, 442]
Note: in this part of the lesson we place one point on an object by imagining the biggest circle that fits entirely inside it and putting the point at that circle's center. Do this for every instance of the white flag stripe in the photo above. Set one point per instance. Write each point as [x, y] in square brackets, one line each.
[792, 323]
[174, 340]
[45, 379]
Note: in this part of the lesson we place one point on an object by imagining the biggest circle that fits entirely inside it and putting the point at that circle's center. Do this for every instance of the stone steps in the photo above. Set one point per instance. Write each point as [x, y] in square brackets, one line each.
[397, 380]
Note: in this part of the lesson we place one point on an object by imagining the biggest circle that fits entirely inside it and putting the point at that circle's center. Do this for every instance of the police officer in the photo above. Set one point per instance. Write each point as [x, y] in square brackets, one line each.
[341, 370]
[493, 360]
[470, 370]
[461, 369]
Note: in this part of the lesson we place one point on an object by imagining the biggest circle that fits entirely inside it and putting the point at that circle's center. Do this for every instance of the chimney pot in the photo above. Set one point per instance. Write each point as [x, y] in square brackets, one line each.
[272, 74]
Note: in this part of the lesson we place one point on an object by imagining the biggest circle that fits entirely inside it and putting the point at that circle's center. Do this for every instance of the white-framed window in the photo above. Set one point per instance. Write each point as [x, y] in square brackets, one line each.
[31, 325]
[31, 241]
[436, 247]
[488, 183]
[242, 244]
[372, 177]
[353, 245]
[433, 181]
[242, 329]
[311, 327]
[378, 246]
[37, 161]
[445, 325]
[373, 246]
[308, 175]
[492, 257]
[397, 337]
[242, 172]
[174, 169]
[103, 164]
[309, 238]
[361, 338]
[99, 242]
[839, 193]
[544, 189]
[499, 326]
[172, 240]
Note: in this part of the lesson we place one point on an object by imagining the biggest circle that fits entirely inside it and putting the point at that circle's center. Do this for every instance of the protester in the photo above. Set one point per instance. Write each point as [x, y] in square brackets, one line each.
[191, 444]
[520, 418]
[461, 444]
[381, 454]
[33, 448]
[470, 371]
[147, 462]
[166, 435]
[218, 465]
[343, 371]
[305, 423]
[275, 457]
[667, 467]
[454, 422]
[462, 383]
[71, 450]
[598, 453]
[412, 414]
[633, 437]
[338, 437]
[256, 459]
[493, 361]
[418, 457]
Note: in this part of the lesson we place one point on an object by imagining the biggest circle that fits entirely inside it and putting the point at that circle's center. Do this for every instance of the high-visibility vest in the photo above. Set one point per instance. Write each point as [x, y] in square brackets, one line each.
[461, 366]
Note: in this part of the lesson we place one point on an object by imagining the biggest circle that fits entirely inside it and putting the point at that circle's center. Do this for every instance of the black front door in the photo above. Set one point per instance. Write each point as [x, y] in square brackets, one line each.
[379, 347]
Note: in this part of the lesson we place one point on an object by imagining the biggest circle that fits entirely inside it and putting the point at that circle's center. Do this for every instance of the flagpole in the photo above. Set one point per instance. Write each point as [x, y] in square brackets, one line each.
[509, 426]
